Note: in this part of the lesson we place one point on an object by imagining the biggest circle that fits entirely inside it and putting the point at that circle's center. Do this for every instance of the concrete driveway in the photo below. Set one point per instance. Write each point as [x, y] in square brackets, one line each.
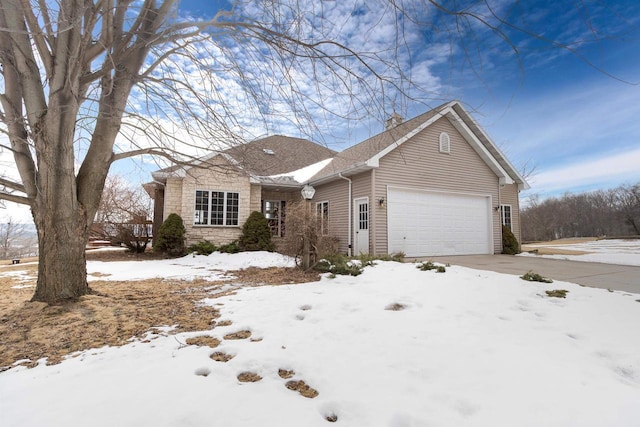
[597, 275]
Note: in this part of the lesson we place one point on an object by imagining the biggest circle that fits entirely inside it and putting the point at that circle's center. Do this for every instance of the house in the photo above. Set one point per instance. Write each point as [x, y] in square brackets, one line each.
[433, 185]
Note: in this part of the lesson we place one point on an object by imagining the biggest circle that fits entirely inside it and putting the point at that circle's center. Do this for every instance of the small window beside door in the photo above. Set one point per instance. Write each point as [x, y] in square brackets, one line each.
[505, 215]
[322, 212]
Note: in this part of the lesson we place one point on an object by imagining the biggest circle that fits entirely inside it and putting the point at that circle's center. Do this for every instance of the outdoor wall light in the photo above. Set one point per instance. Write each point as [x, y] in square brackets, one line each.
[381, 202]
[308, 192]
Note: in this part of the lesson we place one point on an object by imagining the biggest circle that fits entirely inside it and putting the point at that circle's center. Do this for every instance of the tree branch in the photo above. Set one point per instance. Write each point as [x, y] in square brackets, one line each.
[15, 198]
[12, 184]
[38, 37]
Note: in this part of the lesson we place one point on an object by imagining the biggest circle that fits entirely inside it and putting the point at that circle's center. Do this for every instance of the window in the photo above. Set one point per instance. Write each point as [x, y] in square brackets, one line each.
[216, 208]
[322, 211]
[445, 143]
[274, 211]
[505, 215]
[363, 216]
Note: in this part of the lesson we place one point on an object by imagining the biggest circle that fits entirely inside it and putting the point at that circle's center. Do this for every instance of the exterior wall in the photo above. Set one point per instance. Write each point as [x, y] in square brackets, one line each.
[221, 177]
[419, 164]
[337, 194]
[172, 197]
[255, 202]
[509, 196]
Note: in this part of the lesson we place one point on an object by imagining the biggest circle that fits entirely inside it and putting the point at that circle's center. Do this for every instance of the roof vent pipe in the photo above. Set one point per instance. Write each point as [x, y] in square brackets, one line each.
[393, 121]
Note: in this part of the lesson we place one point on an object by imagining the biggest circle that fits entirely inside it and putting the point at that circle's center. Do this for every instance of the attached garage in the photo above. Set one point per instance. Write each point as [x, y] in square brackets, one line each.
[425, 223]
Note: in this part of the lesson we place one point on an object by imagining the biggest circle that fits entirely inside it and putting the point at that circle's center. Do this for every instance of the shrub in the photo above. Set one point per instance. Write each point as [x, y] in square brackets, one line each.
[429, 265]
[302, 220]
[339, 264]
[230, 248]
[530, 276]
[368, 259]
[510, 245]
[134, 236]
[256, 234]
[170, 239]
[202, 248]
[557, 293]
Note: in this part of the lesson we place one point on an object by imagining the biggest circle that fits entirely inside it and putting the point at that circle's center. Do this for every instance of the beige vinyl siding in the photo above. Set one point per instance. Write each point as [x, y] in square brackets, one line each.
[337, 194]
[419, 164]
[509, 196]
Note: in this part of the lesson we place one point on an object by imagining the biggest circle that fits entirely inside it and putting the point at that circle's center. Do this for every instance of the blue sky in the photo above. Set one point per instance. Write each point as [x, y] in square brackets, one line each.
[577, 125]
[576, 122]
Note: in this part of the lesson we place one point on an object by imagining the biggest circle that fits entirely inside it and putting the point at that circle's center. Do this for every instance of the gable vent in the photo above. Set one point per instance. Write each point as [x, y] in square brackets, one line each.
[445, 143]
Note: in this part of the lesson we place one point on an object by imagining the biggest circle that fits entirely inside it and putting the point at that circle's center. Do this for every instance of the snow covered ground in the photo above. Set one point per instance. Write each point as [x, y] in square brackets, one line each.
[622, 252]
[188, 268]
[465, 348]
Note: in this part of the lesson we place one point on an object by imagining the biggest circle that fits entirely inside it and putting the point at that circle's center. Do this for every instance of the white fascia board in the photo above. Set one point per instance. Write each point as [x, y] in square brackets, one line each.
[522, 184]
[374, 161]
[352, 170]
[482, 151]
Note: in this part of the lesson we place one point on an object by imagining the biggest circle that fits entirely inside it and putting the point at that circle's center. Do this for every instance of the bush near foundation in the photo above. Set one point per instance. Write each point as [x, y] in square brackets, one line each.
[256, 235]
[510, 245]
[171, 238]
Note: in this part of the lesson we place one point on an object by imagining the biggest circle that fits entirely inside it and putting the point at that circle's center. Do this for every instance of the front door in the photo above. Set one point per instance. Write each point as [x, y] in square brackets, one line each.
[361, 226]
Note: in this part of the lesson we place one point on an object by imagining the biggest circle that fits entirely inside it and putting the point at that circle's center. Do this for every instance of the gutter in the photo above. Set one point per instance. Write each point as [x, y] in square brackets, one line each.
[349, 221]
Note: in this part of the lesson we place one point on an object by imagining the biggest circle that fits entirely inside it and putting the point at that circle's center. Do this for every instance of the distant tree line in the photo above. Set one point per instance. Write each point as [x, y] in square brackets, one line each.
[17, 240]
[613, 212]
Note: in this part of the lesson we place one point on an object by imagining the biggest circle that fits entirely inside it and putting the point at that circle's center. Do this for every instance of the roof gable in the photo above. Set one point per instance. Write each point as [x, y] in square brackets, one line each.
[367, 154]
[273, 157]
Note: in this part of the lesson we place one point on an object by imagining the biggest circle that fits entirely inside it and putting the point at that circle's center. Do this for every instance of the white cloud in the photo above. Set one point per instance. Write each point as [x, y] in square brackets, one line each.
[594, 173]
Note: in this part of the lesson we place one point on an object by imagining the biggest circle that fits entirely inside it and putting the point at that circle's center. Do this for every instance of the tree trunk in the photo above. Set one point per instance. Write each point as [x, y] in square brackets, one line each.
[62, 270]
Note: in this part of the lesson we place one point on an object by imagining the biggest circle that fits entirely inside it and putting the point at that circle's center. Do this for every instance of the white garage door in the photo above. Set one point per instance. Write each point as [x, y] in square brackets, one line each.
[424, 223]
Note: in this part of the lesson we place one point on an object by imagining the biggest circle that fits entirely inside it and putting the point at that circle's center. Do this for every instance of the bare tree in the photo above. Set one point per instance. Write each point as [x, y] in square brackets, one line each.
[629, 202]
[14, 240]
[124, 215]
[613, 212]
[70, 68]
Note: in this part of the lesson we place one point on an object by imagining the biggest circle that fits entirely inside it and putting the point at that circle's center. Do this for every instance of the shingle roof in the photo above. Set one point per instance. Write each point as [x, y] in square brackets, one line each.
[278, 154]
[273, 155]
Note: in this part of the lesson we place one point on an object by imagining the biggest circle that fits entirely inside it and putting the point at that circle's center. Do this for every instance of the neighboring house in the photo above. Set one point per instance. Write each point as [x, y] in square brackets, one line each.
[433, 185]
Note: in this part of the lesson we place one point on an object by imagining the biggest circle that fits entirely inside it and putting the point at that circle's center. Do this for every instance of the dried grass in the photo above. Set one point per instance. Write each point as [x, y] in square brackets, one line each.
[240, 335]
[203, 341]
[302, 388]
[114, 312]
[249, 377]
[220, 356]
[396, 306]
[285, 374]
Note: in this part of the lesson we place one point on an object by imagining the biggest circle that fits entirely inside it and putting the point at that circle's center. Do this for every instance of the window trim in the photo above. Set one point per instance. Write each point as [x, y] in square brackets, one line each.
[323, 222]
[225, 208]
[503, 216]
[444, 142]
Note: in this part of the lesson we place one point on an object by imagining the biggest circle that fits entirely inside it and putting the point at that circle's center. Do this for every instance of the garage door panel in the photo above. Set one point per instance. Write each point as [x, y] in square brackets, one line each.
[428, 223]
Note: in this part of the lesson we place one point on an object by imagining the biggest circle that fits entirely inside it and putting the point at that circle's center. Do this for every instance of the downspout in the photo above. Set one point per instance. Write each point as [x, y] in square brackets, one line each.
[349, 210]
